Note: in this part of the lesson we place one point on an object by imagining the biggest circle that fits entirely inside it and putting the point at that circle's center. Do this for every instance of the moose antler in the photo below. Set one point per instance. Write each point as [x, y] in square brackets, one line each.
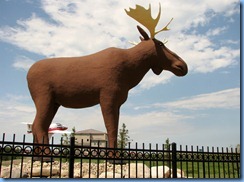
[144, 17]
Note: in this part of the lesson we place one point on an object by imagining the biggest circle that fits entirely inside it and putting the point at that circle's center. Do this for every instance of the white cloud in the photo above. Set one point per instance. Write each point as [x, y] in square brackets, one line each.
[156, 124]
[13, 105]
[14, 110]
[224, 99]
[151, 80]
[201, 54]
[84, 27]
[166, 119]
[216, 31]
[233, 42]
[22, 63]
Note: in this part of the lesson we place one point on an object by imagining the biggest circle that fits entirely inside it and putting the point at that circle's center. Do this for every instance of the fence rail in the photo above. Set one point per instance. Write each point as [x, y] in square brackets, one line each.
[26, 159]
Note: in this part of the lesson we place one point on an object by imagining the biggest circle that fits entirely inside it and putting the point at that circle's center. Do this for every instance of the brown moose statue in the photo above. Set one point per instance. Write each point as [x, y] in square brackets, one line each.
[103, 78]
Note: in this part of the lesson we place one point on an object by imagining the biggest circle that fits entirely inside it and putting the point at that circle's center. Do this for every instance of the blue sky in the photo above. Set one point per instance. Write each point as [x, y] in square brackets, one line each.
[202, 108]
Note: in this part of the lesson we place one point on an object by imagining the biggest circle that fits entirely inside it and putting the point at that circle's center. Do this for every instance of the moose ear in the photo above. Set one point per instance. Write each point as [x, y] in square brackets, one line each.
[143, 33]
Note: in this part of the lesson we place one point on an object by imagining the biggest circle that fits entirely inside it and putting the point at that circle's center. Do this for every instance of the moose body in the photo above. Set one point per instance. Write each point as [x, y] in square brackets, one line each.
[103, 78]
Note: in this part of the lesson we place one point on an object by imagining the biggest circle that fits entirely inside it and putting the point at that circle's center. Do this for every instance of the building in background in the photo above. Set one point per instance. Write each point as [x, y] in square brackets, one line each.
[91, 137]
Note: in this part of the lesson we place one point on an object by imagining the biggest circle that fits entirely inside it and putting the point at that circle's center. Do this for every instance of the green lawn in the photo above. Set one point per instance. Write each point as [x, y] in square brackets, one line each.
[196, 169]
[209, 169]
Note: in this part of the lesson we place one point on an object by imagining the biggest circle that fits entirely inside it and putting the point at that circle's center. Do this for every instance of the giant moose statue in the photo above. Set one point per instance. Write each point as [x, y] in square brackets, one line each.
[103, 78]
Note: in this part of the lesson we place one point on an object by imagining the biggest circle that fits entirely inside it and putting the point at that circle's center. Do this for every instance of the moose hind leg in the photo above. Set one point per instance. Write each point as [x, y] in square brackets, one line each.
[45, 111]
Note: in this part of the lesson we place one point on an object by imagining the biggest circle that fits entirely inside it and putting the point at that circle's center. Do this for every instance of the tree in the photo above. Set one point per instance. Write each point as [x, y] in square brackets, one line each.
[167, 144]
[73, 132]
[123, 137]
[167, 148]
[66, 141]
[238, 148]
[66, 138]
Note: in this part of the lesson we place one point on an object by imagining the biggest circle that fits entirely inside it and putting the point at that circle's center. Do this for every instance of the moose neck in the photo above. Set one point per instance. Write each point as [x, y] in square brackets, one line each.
[143, 55]
[141, 58]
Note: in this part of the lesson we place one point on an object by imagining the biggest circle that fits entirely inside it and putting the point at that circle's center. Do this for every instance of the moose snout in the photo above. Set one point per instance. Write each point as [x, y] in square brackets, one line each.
[180, 69]
[175, 63]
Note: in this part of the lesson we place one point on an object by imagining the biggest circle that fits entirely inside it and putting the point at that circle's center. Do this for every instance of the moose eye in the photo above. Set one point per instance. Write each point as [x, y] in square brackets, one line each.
[160, 43]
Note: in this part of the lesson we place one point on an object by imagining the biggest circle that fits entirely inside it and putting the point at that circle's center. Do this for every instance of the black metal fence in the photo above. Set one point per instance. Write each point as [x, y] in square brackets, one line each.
[24, 160]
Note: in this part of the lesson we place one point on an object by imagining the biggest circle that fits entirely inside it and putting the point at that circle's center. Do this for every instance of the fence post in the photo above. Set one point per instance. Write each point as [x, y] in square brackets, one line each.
[71, 157]
[174, 160]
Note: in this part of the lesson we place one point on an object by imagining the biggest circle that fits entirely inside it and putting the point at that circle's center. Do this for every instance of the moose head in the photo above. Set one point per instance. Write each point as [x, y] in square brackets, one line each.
[169, 60]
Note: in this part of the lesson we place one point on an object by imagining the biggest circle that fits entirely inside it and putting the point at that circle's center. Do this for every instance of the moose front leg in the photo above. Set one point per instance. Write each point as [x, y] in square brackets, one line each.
[111, 119]
[110, 102]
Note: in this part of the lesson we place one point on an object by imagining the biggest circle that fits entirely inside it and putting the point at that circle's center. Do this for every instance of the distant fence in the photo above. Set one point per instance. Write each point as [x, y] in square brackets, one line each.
[21, 160]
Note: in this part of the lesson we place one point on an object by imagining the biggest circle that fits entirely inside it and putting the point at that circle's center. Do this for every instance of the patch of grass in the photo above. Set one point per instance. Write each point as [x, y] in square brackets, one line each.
[209, 169]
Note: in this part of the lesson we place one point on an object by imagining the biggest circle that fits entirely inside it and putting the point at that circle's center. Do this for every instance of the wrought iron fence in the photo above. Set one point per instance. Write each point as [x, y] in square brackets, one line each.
[26, 159]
